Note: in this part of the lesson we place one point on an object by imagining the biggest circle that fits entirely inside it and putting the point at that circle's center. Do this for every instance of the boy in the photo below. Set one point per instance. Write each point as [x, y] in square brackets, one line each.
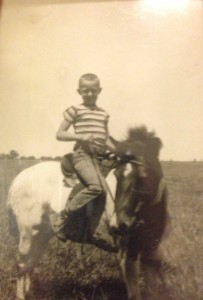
[90, 124]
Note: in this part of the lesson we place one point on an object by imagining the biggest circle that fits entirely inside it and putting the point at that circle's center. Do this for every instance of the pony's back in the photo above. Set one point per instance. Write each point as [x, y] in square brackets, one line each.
[35, 189]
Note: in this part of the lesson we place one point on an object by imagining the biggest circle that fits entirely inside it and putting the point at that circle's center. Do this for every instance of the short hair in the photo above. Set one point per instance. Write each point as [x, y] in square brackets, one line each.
[90, 77]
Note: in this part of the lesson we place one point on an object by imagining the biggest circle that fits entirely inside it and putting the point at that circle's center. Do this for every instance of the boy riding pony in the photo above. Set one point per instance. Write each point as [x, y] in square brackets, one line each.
[90, 124]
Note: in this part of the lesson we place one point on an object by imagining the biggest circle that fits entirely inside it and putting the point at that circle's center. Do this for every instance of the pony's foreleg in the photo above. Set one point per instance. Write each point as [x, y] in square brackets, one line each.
[152, 272]
[152, 278]
[130, 272]
[32, 244]
[23, 278]
[23, 285]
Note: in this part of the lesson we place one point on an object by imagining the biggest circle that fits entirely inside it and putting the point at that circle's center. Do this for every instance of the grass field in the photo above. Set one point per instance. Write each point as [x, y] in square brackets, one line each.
[60, 276]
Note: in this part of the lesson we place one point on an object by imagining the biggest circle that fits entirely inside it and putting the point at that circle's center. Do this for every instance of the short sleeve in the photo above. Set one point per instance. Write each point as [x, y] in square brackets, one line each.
[107, 117]
[70, 114]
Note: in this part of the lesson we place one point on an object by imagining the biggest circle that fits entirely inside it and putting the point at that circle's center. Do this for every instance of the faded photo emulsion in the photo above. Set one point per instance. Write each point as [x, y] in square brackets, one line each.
[101, 154]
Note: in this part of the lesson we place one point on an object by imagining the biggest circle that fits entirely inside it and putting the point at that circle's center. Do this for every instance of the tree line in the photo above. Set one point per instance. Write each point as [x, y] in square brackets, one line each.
[13, 154]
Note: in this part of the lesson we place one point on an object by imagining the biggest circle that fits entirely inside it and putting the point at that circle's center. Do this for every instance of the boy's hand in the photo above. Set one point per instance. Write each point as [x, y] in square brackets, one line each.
[89, 138]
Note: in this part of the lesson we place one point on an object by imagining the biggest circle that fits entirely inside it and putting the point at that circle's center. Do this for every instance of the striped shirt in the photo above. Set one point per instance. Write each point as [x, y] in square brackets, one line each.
[88, 120]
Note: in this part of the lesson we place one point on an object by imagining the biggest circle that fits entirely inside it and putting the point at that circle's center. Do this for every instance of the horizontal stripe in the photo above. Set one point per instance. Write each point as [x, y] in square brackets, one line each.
[86, 124]
[89, 130]
[88, 114]
[93, 112]
[82, 107]
[91, 118]
[91, 122]
[103, 134]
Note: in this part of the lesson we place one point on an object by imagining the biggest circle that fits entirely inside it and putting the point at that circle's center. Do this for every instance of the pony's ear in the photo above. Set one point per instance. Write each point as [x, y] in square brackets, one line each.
[157, 142]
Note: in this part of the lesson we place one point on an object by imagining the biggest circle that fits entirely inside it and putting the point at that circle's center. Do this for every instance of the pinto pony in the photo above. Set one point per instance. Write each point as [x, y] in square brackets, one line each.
[140, 205]
[140, 208]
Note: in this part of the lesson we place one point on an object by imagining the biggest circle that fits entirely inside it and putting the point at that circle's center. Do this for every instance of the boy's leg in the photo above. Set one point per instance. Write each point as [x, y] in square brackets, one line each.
[87, 172]
[85, 169]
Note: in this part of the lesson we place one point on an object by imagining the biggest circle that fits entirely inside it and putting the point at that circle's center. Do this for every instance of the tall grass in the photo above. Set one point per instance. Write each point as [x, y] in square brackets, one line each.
[61, 275]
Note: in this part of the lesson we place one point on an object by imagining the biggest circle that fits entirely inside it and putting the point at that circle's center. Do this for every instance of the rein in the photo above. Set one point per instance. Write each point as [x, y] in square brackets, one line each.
[136, 162]
[102, 180]
[133, 161]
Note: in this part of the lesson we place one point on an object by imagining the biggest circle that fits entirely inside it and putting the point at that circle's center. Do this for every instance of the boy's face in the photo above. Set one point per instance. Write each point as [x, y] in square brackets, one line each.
[89, 90]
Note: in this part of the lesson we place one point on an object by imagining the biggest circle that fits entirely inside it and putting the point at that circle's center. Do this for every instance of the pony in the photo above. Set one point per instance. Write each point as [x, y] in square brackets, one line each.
[136, 218]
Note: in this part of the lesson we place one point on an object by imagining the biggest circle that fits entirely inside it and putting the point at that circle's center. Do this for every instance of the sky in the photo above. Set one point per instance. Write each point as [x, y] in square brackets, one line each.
[148, 55]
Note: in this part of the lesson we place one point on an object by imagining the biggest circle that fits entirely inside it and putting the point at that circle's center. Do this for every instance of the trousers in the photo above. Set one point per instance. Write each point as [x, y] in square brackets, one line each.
[87, 173]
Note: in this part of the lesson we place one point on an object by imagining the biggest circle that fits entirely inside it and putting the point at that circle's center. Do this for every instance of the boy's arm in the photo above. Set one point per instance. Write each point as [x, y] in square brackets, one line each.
[63, 134]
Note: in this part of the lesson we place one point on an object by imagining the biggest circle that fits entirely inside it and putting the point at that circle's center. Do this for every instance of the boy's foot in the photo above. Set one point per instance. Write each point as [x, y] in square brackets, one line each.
[64, 225]
[58, 222]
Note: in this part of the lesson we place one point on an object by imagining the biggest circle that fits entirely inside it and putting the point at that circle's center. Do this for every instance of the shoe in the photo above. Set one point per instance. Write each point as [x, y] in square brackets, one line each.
[58, 222]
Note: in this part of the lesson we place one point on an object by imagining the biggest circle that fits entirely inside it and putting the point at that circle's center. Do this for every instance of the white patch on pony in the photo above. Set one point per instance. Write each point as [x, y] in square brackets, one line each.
[108, 217]
[35, 188]
[110, 205]
[160, 191]
[128, 169]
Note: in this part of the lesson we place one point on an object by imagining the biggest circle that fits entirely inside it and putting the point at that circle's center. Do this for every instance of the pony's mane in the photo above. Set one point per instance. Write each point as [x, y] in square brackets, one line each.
[141, 134]
[139, 141]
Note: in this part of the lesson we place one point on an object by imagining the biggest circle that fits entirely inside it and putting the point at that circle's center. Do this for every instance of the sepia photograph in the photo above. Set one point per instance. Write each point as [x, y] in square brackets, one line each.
[101, 154]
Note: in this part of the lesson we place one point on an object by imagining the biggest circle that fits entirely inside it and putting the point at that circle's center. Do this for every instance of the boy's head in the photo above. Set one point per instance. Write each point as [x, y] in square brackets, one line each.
[89, 88]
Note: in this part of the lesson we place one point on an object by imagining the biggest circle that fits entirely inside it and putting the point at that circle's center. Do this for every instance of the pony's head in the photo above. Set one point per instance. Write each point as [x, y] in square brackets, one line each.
[138, 173]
